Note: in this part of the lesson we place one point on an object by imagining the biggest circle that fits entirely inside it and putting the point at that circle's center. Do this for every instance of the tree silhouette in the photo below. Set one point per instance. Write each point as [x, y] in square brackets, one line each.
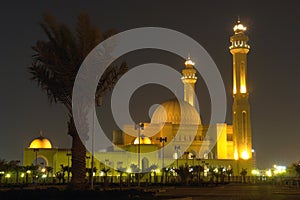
[297, 168]
[243, 174]
[55, 64]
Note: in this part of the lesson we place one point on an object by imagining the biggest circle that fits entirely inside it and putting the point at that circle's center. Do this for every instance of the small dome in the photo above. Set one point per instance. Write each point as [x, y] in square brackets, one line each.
[40, 142]
[143, 140]
[170, 111]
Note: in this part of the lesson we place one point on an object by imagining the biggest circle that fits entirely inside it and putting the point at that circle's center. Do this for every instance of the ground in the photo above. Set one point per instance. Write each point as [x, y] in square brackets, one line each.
[233, 192]
[220, 192]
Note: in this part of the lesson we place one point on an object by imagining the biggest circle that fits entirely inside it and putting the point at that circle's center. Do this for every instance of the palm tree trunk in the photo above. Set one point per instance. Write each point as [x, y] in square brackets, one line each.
[78, 162]
[78, 150]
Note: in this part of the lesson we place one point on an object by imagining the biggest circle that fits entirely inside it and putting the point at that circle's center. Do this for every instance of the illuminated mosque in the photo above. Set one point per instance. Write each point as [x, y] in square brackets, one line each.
[232, 148]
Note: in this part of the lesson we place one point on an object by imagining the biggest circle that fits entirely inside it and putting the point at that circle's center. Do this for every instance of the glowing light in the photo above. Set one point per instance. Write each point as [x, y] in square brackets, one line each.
[40, 142]
[234, 89]
[1, 172]
[28, 172]
[239, 27]
[44, 176]
[128, 170]
[269, 173]
[143, 140]
[7, 176]
[255, 172]
[279, 169]
[43, 170]
[245, 155]
[22, 175]
[189, 62]
[102, 173]
[236, 155]
[216, 170]
[243, 89]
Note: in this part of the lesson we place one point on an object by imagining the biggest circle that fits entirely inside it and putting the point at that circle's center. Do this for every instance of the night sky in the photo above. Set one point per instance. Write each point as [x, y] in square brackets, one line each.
[273, 66]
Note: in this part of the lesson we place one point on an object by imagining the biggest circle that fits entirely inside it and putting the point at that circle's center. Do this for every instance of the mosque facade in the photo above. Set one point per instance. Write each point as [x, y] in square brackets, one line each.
[180, 137]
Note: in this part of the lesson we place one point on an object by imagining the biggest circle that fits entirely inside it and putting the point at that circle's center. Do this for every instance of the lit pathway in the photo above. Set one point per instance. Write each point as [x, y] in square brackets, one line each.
[233, 192]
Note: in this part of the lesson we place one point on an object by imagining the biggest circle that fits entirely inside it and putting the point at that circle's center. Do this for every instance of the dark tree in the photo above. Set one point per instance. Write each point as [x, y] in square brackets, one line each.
[55, 64]
[297, 168]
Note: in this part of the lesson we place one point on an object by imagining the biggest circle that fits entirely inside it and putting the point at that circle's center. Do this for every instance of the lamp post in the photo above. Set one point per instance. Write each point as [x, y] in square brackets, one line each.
[93, 149]
[163, 140]
[68, 155]
[177, 147]
[139, 127]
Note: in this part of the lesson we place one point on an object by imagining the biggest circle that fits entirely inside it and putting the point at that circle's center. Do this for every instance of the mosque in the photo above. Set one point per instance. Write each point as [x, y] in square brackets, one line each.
[229, 146]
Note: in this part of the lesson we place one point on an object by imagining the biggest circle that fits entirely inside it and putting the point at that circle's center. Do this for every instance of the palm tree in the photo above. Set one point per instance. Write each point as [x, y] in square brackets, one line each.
[243, 174]
[229, 172]
[15, 167]
[297, 168]
[198, 169]
[54, 67]
[3, 168]
[184, 173]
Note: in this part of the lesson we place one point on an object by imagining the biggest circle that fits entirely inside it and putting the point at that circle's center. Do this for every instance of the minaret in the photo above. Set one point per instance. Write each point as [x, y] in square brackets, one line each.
[189, 79]
[241, 109]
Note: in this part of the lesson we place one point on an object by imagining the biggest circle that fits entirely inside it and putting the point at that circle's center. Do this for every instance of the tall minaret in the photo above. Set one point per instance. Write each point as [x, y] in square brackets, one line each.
[241, 109]
[189, 79]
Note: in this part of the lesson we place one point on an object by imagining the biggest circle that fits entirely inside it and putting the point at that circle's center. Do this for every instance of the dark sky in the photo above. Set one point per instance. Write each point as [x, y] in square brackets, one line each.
[273, 64]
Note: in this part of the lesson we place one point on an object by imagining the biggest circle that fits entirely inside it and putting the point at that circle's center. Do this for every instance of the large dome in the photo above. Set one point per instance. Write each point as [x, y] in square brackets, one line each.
[170, 111]
[40, 142]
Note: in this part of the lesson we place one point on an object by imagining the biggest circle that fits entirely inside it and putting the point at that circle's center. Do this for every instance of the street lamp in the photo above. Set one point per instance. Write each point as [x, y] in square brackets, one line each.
[163, 140]
[139, 127]
[177, 147]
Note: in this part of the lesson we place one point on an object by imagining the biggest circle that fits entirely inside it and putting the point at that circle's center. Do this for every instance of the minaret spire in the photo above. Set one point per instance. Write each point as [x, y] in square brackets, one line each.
[189, 79]
[241, 108]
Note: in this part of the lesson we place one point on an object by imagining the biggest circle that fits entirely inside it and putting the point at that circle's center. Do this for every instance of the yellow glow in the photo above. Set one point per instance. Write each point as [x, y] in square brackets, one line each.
[143, 140]
[43, 170]
[243, 89]
[128, 170]
[239, 27]
[7, 176]
[279, 169]
[234, 89]
[28, 172]
[40, 142]
[236, 155]
[255, 172]
[189, 62]
[269, 173]
[22, 175]
[245, 155]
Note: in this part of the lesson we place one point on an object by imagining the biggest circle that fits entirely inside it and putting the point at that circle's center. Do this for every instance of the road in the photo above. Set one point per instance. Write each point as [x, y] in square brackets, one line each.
[232, 192]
